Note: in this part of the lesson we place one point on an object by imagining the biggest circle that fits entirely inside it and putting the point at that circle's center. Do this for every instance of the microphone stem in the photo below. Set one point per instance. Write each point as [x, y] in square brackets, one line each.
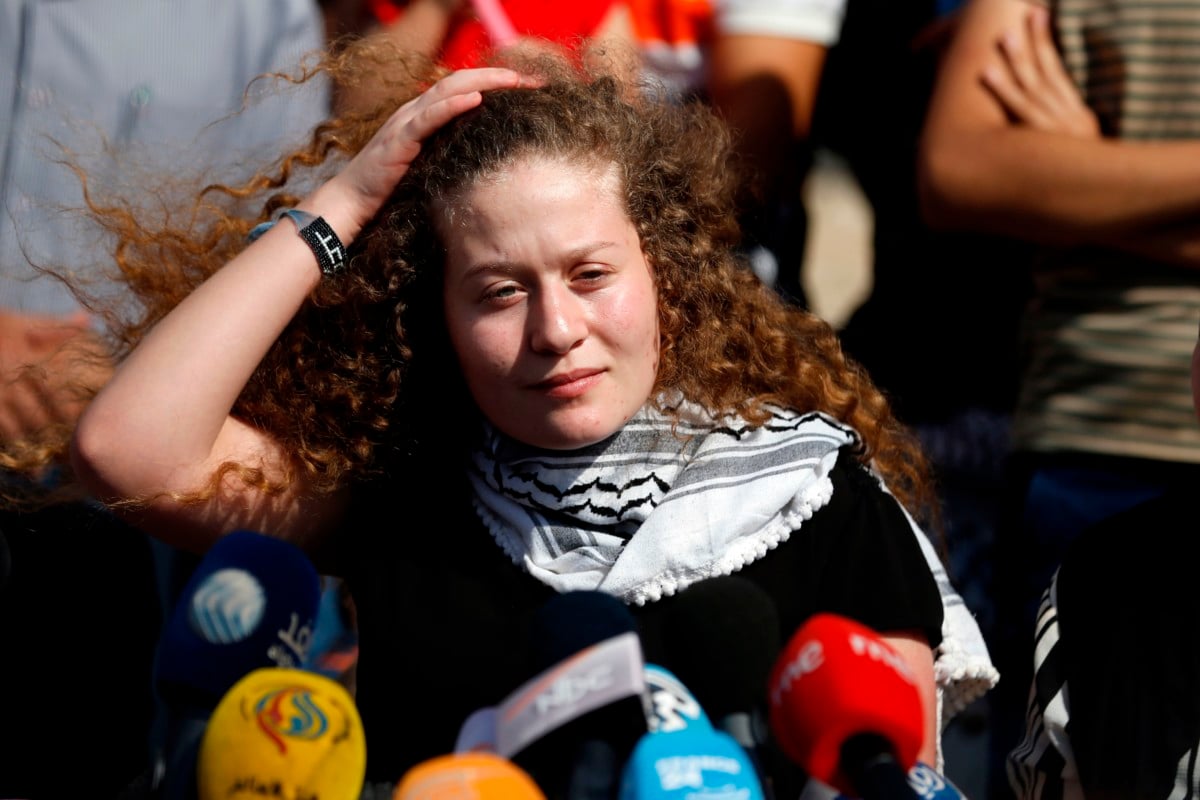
[870, 763]
[744, 728]
[594, 772]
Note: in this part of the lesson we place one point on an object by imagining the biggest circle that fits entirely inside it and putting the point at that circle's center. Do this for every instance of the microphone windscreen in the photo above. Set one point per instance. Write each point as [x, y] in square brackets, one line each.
[837, 680]
[689, 764]
[572, 724]
[466, 776]
[721, 637]
[572, 622]
[249, 603]
[597, 693]
[283, 733]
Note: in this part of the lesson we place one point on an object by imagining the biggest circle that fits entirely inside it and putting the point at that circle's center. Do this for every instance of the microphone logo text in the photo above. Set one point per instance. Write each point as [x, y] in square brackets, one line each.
[808, 660]
[294, 641]
[678, 772]
[878, 651]
[567, 690]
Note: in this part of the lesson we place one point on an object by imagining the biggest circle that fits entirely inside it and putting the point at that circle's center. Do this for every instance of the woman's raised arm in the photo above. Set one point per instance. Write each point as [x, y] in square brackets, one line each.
[161, 426]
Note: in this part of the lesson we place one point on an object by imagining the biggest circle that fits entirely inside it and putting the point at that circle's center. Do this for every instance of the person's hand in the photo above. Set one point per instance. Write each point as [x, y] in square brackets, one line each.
[372, 174]
[38, 378]
[1032, 85]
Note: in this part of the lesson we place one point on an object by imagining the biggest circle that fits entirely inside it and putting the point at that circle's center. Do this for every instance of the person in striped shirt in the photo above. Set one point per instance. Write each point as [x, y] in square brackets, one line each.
[1075, 125]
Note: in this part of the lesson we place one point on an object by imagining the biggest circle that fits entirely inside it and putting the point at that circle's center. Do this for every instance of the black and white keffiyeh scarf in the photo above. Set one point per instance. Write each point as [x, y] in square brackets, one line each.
[705, 497]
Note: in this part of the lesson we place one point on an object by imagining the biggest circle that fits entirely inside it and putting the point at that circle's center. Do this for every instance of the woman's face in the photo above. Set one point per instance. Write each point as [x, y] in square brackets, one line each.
[550, 303]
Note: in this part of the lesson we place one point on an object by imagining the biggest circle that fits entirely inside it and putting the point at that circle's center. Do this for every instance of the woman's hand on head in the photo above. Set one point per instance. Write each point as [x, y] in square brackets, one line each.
[373, 173]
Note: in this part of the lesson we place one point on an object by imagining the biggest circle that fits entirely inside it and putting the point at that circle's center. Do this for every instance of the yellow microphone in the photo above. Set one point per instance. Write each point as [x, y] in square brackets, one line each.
[286, 733]
[467, 776]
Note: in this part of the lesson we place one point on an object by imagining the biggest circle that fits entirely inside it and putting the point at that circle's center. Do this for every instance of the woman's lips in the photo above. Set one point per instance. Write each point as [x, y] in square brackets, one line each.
[569, 384]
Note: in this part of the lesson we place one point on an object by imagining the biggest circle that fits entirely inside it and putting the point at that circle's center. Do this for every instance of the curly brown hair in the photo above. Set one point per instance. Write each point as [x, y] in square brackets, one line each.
[355, 375]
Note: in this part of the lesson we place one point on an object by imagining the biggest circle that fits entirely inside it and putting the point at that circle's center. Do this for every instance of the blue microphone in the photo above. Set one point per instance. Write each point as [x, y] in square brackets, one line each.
[924, 780]
[929, 784]
[721, 636]
[689, 764]
[250, 603]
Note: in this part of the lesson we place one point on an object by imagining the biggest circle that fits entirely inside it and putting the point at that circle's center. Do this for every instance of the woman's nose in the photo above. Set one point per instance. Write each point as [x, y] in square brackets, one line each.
[557, 320]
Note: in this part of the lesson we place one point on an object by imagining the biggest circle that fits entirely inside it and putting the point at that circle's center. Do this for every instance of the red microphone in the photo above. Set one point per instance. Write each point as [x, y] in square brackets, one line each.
[845, 707]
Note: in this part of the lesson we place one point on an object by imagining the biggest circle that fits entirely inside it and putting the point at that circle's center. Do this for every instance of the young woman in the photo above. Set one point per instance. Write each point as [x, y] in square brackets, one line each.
[512, 354]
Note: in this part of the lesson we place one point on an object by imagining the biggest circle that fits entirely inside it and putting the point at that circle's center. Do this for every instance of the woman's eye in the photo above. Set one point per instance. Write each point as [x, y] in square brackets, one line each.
[591, 274]
[504, 291]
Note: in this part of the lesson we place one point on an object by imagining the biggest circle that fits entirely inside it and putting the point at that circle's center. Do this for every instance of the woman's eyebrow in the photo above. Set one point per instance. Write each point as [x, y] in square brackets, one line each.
[579, 253]
[584, 251]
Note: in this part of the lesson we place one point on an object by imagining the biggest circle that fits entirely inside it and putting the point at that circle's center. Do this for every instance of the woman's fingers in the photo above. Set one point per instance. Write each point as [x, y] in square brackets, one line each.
[374, 172]
[457, 92]
[452, 95]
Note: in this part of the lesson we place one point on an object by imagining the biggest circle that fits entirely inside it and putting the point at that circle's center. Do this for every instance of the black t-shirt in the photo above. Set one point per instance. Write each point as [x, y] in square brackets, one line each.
[442, 612]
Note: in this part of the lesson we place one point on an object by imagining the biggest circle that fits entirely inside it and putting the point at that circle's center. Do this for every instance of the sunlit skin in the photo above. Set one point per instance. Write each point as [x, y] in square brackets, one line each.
[550, 302]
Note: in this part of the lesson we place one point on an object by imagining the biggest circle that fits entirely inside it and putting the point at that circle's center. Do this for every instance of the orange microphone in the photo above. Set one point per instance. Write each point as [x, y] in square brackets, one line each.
[467, 776]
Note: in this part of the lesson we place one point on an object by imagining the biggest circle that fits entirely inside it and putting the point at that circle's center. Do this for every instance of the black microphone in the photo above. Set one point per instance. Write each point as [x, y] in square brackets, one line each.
[250, 603]
[721, 638]
[573, 725]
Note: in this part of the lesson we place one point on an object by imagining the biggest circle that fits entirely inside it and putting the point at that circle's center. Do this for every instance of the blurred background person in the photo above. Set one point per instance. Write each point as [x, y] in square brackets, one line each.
[940, 337]
[1073, 128]
[458, 33]
[1106, 719]
[939, 326]
[846, 87]
[117, 87]
[764, 69]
